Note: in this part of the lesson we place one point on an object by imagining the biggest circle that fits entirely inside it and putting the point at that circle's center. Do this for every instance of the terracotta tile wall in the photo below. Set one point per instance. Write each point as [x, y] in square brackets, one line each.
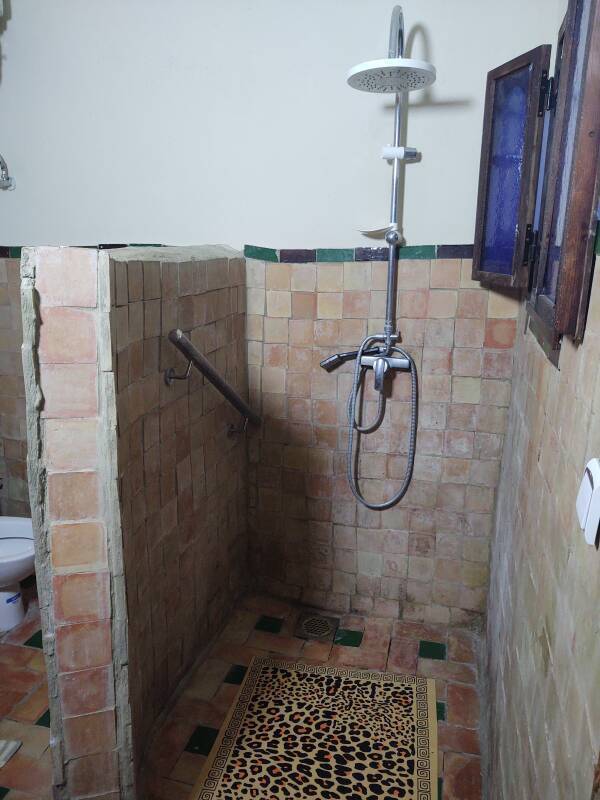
[427, 558]
[14, 495]
[543, 630]
[78, 578]
[182, 479]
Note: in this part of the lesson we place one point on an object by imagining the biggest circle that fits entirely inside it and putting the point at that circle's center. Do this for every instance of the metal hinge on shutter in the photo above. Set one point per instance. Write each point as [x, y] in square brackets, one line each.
[547, 94]
[532, 242]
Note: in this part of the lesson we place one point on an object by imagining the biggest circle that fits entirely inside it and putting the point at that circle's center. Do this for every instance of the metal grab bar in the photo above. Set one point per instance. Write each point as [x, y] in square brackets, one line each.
[203, 365]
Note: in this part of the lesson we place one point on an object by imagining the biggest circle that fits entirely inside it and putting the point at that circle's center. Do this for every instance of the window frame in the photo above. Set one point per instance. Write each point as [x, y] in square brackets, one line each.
[577, 126]
[539, 59]
[577, 256]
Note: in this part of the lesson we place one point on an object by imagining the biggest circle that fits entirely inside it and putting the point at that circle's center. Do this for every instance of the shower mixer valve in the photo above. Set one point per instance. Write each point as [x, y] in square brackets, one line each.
[375, 359]
[381, 366]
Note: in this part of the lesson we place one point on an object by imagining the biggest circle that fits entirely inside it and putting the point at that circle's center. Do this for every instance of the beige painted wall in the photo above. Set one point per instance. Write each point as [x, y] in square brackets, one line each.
[543, 624]
[120, 119]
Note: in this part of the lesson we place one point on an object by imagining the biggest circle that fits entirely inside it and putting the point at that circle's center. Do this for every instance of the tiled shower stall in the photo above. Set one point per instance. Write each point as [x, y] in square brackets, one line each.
[152, 520]
[426, 558]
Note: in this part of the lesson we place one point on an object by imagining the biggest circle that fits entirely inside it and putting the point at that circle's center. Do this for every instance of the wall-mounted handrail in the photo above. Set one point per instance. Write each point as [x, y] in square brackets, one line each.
[183, 344]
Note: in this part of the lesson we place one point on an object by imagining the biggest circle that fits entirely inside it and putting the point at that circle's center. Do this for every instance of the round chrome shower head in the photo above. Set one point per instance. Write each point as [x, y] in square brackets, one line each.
[392, 75]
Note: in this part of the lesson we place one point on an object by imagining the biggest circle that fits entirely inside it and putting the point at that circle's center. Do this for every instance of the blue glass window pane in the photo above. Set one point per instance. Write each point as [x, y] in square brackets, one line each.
[509, 120]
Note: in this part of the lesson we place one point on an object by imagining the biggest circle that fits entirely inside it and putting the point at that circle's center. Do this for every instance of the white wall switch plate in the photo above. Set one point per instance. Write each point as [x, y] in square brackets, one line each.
[588, 501]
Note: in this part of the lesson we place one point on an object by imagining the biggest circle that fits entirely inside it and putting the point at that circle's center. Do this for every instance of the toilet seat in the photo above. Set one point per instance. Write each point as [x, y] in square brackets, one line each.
[12, 547]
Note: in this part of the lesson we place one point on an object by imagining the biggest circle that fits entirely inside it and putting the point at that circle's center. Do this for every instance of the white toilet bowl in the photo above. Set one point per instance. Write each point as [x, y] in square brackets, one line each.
[16, 563]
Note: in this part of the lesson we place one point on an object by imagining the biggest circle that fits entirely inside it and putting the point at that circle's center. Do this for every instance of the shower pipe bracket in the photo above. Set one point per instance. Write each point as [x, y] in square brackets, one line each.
[408, 155]
[203, 365]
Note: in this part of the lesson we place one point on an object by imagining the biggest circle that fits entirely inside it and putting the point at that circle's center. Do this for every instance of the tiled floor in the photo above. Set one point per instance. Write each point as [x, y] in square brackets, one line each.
[262, 625]
[24, 711]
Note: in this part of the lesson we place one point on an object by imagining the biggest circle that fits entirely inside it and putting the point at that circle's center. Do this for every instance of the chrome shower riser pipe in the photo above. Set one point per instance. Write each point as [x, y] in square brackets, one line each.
[396, 50]
[380, 352]
[393, 236]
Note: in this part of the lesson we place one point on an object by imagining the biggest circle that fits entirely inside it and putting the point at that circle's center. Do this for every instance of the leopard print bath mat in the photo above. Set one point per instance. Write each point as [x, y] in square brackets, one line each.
[301, 731]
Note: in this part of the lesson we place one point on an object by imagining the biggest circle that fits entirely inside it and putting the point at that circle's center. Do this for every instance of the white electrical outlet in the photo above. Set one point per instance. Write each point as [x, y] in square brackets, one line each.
[588, 501]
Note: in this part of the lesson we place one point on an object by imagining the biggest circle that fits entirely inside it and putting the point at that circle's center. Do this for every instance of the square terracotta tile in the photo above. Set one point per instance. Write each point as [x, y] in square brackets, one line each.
[67, 336]
[69, 390]
[32, 707]
[66, 276]
[73, 495]
[82, 597]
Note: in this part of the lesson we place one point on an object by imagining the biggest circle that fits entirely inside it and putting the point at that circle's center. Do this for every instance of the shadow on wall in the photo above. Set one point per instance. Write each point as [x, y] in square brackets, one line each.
[5, 15]
[425, 99]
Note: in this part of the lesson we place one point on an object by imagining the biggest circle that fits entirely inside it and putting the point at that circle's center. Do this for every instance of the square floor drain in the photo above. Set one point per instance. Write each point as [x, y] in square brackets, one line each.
[316, 626]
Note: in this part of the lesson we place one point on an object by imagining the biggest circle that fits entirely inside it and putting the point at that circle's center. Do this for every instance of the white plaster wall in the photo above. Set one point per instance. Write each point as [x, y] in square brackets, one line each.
[230, 121]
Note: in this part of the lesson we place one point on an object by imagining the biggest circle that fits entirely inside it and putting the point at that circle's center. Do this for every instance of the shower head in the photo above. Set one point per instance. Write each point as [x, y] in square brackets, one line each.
[391, 75]
[395, 73]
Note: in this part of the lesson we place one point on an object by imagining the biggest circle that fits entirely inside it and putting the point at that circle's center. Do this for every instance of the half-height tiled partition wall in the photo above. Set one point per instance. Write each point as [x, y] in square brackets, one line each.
[427, 558]
[182, 478]
[71, 429]
[138, 493]
[14, 496]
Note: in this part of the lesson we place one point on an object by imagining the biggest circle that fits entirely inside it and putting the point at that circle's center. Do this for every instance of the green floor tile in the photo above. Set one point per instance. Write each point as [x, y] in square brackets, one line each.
[35, 641]
[202, 740]
[3, 791]
[348, 638]
[269, 624]
[440, 711]
[432, 650]
[236, 674]
[44, 720]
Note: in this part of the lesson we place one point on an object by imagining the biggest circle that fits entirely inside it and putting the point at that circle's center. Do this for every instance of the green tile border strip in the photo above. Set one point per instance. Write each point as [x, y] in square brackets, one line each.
[7, 251]
[334, 255]
[261, 253]
[323, 254]
[415, 252]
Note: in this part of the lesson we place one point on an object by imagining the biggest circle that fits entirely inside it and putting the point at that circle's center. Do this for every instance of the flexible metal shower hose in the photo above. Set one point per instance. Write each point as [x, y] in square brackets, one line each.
[352, 426]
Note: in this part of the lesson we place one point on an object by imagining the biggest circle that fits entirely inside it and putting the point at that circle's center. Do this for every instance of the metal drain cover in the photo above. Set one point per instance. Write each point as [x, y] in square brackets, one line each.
[316, 626]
